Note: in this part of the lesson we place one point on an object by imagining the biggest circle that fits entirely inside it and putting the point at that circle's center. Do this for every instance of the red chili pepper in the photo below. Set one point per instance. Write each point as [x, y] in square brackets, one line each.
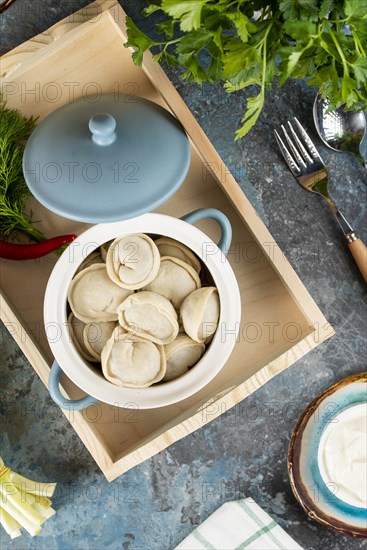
[12, 251]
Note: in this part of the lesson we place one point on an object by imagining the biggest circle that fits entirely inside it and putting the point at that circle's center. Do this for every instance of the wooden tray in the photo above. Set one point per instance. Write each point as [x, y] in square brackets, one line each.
[84, 54]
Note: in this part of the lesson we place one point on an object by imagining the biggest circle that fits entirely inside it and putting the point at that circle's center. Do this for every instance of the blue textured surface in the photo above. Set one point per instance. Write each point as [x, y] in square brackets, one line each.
[242, 453]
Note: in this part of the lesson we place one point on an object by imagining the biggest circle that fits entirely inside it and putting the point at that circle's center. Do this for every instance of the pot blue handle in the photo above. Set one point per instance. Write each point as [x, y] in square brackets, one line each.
[63, 402]
[218, 216]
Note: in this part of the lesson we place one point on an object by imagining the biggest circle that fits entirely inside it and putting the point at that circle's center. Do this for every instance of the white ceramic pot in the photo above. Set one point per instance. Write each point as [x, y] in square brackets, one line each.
[67, 358]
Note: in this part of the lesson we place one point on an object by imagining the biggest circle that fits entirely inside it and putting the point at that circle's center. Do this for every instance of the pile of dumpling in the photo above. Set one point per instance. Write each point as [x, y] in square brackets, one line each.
[139, 308]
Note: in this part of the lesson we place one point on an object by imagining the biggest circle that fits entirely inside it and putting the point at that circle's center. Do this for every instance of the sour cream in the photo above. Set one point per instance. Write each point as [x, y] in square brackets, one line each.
[342, 455]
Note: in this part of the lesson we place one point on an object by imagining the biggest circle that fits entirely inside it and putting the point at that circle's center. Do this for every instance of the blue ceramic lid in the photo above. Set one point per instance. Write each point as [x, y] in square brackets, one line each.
[106, 159]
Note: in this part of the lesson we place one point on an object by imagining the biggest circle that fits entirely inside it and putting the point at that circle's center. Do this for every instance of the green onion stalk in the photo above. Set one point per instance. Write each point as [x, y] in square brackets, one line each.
[23, 503]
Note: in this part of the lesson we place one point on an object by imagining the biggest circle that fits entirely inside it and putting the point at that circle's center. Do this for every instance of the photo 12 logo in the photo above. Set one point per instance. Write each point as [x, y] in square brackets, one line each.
[65, 92]
[53, 172]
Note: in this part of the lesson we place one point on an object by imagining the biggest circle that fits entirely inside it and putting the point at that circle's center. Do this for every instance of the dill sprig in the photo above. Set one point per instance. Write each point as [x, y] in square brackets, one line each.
[15, 129]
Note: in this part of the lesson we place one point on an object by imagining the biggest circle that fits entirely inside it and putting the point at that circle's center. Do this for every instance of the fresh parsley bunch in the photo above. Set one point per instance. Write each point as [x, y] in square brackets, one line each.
[247, 42]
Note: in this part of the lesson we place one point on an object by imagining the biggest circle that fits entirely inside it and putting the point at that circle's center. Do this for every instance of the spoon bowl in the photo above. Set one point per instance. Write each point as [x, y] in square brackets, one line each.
[339, 129]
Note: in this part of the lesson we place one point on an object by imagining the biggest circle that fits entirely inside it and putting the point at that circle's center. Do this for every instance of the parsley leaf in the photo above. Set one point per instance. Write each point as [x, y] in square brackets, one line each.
[355, 8]
[360, 70]
[298, 9]
[250, 42]
[243, 24]
[254, 106]
[237, 57]
[194, 42]
[138, 40]
[188, 11]
[325, 8]
[167, 27]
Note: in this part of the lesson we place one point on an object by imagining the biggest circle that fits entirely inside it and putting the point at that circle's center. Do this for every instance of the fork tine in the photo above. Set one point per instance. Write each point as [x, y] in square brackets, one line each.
[300, 160]
[300, 145]
[294, 168]
[312, 149]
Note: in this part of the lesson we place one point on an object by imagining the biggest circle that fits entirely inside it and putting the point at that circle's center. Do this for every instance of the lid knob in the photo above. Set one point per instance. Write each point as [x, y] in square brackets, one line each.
[103, 128]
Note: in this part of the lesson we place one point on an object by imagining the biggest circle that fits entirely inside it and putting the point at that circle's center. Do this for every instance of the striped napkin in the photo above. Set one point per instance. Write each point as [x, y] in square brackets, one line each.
[237, 525]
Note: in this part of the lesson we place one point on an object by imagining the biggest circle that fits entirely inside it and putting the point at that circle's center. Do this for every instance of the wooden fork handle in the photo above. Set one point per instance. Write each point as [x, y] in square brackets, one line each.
[359, 253]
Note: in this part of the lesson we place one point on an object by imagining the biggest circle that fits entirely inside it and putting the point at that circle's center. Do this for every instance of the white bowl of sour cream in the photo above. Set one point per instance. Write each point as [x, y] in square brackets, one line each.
[342, 455]
[327, 457]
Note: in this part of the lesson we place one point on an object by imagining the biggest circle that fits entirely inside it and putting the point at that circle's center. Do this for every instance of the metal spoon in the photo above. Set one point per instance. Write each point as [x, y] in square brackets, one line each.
[340, 130]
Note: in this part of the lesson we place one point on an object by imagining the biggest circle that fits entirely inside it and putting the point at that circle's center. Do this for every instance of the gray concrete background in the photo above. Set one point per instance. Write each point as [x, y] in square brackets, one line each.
[243, 453]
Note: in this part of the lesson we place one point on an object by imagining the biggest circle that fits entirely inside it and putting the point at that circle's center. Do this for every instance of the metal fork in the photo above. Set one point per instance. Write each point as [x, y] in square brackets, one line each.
[309, 169]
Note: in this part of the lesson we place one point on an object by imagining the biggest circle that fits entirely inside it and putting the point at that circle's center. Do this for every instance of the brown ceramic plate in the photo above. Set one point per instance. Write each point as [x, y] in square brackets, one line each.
[318, 499]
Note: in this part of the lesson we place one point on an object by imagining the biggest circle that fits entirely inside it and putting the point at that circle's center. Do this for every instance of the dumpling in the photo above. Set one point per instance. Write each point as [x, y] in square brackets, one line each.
[104, 249]
[131, 361]
[181, 354]
[94, 297]
[76, 328]
[92, 258]
[175, 249]
[95, 336]
[132, 261]
[200, 313]
[175, 280]
[150, 316]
